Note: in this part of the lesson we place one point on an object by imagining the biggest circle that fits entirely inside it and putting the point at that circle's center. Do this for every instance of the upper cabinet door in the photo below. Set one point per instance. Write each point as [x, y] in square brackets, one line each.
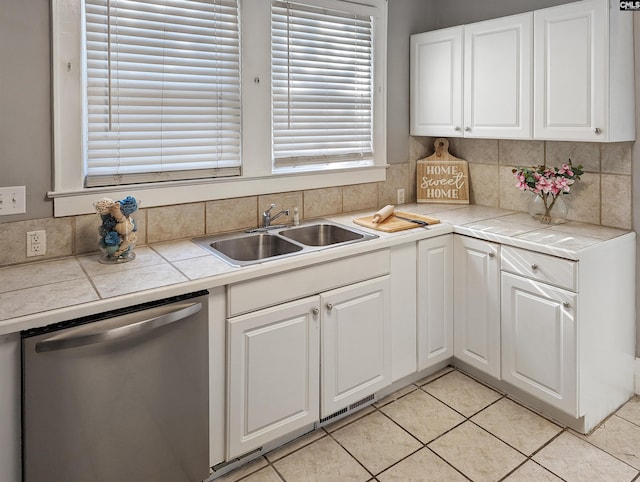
[583, 81]
[436, 83]
[570, 71]
[498, 77]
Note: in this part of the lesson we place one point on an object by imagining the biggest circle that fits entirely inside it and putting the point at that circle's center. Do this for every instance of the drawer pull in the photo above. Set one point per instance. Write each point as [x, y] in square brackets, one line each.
[329, 306]
[534, 267]
[566, 304]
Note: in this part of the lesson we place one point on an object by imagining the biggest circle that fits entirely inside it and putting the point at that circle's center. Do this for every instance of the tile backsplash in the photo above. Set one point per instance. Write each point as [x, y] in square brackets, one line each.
[603, 196]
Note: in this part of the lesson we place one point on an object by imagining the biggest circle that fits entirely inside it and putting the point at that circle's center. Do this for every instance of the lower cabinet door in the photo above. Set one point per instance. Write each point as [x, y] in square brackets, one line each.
[435, 300]
[476, 308]
[273, 374]
[356, 343]
[539, 341]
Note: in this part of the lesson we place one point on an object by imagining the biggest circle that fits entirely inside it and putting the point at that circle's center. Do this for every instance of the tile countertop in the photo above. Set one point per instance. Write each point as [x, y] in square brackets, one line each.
[41, 293]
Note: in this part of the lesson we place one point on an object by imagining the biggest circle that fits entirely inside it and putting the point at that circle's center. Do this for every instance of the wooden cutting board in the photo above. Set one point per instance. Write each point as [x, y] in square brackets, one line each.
[392, 224]
[442, 178]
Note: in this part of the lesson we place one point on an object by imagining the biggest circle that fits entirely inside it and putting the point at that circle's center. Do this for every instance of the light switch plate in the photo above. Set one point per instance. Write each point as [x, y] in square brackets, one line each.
[13, 200]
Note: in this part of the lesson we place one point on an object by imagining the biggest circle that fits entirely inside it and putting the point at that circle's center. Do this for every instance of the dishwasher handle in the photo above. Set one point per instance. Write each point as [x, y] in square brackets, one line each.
[136, 323]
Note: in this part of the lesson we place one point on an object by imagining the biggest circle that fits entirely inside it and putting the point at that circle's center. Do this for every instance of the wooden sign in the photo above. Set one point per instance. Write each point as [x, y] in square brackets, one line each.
[442, 178]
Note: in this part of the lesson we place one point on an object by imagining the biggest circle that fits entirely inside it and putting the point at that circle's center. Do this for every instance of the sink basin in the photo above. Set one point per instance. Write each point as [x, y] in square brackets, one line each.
[241, 250]
[321, 234]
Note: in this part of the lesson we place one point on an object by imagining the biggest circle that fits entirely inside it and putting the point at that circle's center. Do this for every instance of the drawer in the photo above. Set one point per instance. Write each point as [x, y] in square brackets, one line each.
[540, 267]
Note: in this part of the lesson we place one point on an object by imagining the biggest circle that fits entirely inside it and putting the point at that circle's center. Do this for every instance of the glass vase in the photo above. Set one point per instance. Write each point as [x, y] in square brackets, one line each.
[547, 209]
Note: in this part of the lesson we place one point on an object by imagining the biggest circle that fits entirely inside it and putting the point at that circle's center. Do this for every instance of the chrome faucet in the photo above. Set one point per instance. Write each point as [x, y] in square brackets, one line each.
[267, 218]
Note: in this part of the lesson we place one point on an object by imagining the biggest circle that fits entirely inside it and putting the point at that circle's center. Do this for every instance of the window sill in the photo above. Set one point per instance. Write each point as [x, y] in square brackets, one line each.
[73, 203]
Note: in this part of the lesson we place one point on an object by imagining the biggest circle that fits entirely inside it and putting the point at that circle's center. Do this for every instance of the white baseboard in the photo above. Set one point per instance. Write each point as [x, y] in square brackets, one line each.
[637, 372]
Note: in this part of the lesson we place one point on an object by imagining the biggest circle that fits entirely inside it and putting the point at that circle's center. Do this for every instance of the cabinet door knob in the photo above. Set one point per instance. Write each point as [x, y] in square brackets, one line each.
[534, 267]
[467, 129]
[492, 254]
[597, 130]
[566, 304]
[315, 311]
[456, 128]
[329, 306]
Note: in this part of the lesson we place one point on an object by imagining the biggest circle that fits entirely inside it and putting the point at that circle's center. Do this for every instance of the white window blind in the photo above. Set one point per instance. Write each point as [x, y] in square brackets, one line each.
[322, 77]
[163, 90]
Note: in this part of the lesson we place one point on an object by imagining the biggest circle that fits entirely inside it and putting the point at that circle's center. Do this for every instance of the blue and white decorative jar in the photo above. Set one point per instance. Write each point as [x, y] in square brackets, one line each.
[118, 231]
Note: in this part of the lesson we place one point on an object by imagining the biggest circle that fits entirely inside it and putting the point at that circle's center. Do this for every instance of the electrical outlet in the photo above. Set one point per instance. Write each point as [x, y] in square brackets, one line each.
[400, 195]
[36, 243]
[13, 200]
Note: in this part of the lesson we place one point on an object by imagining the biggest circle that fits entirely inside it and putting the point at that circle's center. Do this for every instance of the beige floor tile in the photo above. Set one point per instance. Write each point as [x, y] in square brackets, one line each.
[462, 393]
[376, 442]
[423, 416]
[423, 466]
[476, 453]
[295, 445]
[433, 376]
[619, 438]
[516, 425]
[574, 459]
[323, 460]
[532, 472]
[332, 427]
[395, 396]
[631, 410]
[244, 470]
[268, 474]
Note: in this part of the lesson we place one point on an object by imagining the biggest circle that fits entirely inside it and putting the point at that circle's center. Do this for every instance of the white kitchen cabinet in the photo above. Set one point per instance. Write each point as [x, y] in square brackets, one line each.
[497, 78]
[356, 344]
[539, 337]
[273, 373]
[476, 304]
[473, 80]
[403, 297]
[291, 364]
[436, 83]
[583, 72]
[568, 330]
[435, 300]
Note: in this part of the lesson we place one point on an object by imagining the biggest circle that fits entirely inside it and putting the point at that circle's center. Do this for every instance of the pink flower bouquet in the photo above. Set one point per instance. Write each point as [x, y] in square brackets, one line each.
[548, 183]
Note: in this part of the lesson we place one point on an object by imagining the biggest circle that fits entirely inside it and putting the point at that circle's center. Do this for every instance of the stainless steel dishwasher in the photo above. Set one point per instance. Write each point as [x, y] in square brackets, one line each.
[120, 396]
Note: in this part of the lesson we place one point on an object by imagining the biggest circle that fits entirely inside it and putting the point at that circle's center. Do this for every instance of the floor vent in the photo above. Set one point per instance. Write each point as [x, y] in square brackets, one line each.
[226, 467]
[334, 415]
[364, 401]
[354, 406]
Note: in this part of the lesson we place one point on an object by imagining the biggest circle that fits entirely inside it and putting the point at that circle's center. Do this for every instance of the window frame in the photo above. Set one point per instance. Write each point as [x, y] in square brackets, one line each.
[258, 176]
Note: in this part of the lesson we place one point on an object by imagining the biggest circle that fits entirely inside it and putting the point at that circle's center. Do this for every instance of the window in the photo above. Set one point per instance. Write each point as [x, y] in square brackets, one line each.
[322, 81]
[176, 101]
[162, 89]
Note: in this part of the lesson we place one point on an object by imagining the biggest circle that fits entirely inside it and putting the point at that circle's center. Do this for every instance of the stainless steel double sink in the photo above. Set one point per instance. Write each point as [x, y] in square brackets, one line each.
[242, 249]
